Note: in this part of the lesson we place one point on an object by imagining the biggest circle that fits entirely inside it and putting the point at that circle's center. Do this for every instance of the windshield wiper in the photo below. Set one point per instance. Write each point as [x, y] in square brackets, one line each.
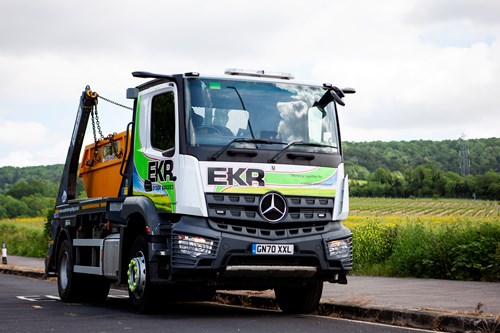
[244, 108]
[298, 143]
[245, 140]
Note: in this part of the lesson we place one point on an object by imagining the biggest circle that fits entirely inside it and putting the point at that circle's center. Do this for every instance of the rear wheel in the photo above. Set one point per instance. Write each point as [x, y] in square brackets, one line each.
[97, 288]
[140, 290]
[301, 299]
[69, 283]
[75, 287]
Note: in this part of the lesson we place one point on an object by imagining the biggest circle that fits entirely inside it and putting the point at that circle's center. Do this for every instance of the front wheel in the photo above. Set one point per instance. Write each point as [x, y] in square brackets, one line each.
[301, 299]
[140, 290]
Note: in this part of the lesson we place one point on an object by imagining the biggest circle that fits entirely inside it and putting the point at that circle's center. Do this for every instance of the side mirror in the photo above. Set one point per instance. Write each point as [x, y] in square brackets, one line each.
[333, 94]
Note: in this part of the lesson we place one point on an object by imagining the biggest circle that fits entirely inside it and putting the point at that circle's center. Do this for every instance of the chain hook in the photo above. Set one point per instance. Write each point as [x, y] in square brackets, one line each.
[96, 126]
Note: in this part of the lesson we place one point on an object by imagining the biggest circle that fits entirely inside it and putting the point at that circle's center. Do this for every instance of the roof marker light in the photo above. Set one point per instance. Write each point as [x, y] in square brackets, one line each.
[259, 73]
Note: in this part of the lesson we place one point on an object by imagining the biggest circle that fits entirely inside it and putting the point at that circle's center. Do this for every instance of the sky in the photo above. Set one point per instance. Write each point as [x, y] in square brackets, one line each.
[422, 69]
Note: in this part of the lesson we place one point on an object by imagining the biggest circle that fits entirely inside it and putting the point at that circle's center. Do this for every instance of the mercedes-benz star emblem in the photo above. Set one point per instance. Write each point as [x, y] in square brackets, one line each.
[273, 207]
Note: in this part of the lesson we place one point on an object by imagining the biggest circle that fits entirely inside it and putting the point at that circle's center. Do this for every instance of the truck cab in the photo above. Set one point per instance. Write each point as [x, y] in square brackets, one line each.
[224, 182]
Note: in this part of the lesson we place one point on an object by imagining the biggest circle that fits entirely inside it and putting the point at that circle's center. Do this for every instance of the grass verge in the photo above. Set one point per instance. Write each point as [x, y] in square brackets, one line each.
[24, 237]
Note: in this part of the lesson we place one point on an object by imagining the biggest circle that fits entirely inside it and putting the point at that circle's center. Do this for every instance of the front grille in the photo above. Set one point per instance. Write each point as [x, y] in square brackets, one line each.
[229, 207]
[266, 233]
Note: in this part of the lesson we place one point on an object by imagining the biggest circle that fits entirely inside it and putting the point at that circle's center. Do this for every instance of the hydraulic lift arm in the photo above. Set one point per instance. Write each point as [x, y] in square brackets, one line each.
[67, 188]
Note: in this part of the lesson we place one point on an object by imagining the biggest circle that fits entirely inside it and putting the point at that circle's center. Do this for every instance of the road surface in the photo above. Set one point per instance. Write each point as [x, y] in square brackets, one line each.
[32, 305]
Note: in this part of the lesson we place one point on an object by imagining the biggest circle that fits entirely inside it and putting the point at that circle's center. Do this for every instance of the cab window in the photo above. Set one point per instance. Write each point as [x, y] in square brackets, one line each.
[163, 122]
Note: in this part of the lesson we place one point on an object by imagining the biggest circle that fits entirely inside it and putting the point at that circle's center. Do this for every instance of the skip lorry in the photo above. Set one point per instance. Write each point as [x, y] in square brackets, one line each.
[231, 182]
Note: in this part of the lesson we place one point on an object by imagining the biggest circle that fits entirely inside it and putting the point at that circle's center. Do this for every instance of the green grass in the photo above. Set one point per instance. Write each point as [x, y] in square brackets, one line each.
[426, 246]
[24, 237]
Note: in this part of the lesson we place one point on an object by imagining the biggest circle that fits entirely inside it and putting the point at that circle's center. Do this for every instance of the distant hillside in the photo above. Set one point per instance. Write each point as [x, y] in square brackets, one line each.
[483, 154]
[28, 191]
[10, 175]
[378, 169]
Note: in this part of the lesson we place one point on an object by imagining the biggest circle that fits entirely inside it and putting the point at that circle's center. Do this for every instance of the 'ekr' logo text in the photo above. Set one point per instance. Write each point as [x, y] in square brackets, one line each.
[240, 176]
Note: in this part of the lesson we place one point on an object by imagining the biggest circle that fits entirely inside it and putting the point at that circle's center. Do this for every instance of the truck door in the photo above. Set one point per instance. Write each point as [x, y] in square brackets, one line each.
[156, 146]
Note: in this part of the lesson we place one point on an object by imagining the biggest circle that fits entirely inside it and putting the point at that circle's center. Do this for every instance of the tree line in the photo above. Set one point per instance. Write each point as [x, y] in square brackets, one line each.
[366, 157]
[376, 169]
[427, 181]
[29, 191]
[423, 168]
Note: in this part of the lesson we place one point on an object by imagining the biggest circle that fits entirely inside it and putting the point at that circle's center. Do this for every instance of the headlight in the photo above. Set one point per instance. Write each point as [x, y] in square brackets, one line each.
[194, 246]
[339, 249]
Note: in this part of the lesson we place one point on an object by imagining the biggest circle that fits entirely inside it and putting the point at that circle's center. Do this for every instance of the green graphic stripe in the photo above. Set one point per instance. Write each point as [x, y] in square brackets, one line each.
[161, 202]
[315, 176]
[140, 161]
[165, 203]
[309, 192]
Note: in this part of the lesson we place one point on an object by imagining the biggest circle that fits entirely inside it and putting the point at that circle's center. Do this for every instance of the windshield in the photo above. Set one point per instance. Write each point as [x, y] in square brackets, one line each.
[218, 111]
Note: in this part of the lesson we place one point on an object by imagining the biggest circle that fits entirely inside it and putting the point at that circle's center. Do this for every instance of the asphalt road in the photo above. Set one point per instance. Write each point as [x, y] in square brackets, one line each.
[32, 305]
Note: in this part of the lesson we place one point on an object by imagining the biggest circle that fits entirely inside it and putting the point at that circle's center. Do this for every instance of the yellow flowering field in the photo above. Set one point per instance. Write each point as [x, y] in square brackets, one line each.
[30, 222]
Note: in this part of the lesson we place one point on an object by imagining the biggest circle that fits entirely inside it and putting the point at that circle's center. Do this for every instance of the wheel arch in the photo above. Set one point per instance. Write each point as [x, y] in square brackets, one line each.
[135, 213]
[63, 234]
[136, 225]
[141, 218]
[143, 207]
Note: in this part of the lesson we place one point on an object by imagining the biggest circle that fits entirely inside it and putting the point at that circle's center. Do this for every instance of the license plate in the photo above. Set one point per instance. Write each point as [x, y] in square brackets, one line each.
[280, 249]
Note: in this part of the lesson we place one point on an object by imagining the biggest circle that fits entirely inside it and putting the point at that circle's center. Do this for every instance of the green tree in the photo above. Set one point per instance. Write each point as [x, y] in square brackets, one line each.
[487, 185]
[455, 186]
[420, 181]
[23, 188]
[13, 207]
[38, 205]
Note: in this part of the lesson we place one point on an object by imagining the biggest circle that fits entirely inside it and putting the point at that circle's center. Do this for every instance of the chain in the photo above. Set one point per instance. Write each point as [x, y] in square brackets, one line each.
[95, 120]
[114, 146]
[95, 123]
[95, 117]
[113, 102]
[98, 123]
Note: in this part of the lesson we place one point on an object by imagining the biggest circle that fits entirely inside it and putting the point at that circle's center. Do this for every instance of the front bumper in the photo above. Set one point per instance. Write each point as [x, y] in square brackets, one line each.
[224, 257]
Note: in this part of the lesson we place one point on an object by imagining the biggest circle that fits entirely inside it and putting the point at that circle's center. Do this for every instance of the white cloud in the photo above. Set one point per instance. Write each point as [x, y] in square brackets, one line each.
[30, 143]
[24, 135]
[422, 69]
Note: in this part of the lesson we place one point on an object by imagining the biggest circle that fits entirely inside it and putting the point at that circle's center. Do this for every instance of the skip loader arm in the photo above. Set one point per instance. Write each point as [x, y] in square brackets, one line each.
[67, 188]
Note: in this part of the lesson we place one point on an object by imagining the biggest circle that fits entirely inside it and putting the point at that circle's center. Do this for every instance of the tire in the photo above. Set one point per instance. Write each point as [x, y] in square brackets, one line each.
[302, 299]
[96, 289]
[69, 283]
[140, 289]
[75, 287]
